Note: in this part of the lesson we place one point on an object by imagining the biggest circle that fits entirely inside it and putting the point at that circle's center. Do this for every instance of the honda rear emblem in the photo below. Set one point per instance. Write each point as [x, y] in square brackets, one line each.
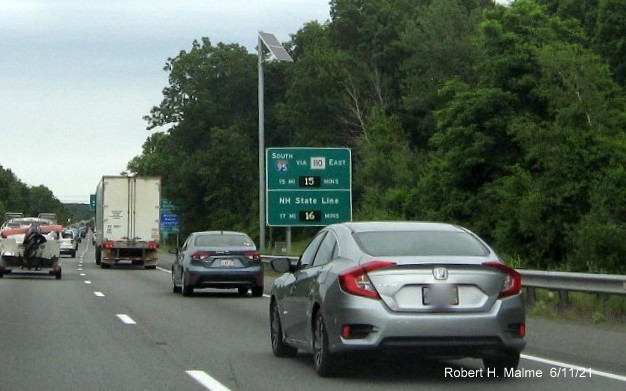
[440, 273]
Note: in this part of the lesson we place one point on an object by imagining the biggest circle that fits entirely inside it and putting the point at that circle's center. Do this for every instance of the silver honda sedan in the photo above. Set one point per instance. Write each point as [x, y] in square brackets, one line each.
[433, 289]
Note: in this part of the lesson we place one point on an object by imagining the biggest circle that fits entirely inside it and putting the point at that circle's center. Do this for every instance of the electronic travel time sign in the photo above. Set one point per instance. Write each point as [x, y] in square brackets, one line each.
[308, 186]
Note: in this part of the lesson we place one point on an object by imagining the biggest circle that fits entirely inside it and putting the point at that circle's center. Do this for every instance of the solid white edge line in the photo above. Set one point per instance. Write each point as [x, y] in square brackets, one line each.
[207, 381]
[578, 367]
[126, 319]
[164, 270]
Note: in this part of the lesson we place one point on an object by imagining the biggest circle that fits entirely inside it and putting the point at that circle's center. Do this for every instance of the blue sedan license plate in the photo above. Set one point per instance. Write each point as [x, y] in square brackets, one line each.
[227, 262]
[440, 295]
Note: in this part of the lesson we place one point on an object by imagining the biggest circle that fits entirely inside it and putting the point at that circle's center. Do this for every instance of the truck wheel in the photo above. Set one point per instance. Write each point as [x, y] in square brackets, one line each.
[150, 267]
[104, 265]
[58, 275]
[98, 255]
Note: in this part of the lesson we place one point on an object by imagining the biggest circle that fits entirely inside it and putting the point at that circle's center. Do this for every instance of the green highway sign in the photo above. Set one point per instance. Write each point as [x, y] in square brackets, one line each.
[167, 205]
[308, 186]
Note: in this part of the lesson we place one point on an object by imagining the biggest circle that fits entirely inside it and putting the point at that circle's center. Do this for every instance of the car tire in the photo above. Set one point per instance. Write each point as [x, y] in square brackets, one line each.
[175, 288]
[257, 291]
[508, 359]
[279, 347]
[58, 275]
[324, 362]
[104, 265]
[186, 290]
[73, 254]
[150, 267]
[242, 291]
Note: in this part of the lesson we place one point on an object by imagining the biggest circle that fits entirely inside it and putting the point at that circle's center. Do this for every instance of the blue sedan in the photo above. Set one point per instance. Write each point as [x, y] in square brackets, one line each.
[218, 259]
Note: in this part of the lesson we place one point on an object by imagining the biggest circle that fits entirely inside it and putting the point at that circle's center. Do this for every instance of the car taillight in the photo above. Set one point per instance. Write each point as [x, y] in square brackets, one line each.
[355, 280]
[200, 255]
[512, 281]
[109, 245]
[253, 255]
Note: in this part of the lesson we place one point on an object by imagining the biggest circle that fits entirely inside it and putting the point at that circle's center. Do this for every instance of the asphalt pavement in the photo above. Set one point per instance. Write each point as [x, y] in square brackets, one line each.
[124, 329]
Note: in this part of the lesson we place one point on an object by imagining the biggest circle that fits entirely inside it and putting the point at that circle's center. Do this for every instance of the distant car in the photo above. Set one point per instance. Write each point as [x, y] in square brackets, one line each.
[68, 243]
[76, 231]
[430, 289]
[218, 259]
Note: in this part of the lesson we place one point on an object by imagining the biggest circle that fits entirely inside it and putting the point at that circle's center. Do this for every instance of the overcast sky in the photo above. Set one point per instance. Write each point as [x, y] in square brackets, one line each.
[77, 76]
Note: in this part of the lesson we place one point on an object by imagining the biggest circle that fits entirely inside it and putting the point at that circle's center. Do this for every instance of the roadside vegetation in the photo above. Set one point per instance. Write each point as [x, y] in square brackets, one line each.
[606, 310]
[509, 120]
[15, 196]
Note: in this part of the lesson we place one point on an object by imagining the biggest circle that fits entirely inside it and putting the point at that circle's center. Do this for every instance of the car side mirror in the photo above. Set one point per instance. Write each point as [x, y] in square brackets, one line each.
[282, 265]
[173, 250]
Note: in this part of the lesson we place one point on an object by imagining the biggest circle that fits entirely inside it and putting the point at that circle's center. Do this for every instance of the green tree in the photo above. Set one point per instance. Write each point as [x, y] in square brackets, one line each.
[204, 157]
[610, 37]
[385, 167]
[314, 102]
[440, 43]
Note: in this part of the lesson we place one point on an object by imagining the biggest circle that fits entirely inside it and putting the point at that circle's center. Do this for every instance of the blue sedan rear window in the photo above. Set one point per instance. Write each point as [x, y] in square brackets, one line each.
[223, 240]
[420, 243]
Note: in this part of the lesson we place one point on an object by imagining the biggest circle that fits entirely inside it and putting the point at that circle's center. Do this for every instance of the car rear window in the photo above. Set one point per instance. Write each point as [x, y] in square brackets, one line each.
[223, 240]
[66, 235]
[420, 243]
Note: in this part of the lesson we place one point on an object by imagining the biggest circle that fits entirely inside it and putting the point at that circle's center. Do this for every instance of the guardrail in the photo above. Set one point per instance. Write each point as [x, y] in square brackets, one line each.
[562, 282]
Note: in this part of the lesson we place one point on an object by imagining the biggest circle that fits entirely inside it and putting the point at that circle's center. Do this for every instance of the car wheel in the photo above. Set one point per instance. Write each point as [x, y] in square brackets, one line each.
[257, 291]
[185, 289]
[508, 359]
[73, 254]
[150, 267]
[279, 347]
[58, 275]
[242, 291]
[104, 265]
[324, 362]
[175, 288]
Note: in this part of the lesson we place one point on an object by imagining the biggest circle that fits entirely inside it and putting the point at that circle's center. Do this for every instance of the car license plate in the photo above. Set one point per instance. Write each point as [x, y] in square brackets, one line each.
[227, 262]
[440, 295]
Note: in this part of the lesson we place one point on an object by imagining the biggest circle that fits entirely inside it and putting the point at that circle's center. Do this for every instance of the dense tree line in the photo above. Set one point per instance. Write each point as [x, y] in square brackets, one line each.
[15, 196]
[509, 120]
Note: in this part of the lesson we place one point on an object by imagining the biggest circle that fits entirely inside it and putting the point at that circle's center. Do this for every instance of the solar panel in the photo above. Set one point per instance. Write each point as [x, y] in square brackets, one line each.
[275, 47]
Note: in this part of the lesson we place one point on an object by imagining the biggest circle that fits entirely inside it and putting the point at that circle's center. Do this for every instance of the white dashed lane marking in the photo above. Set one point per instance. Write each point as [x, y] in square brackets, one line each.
[207, 381]
[126, 319]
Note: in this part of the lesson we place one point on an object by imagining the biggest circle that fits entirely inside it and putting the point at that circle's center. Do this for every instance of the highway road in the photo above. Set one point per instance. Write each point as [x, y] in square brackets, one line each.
[123, 329]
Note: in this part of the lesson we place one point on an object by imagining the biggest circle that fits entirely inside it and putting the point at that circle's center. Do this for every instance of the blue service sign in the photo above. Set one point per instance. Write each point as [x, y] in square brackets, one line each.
[169, 219]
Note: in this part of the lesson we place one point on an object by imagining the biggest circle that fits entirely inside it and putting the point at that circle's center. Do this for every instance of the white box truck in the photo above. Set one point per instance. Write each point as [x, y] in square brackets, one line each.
[128, 220]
